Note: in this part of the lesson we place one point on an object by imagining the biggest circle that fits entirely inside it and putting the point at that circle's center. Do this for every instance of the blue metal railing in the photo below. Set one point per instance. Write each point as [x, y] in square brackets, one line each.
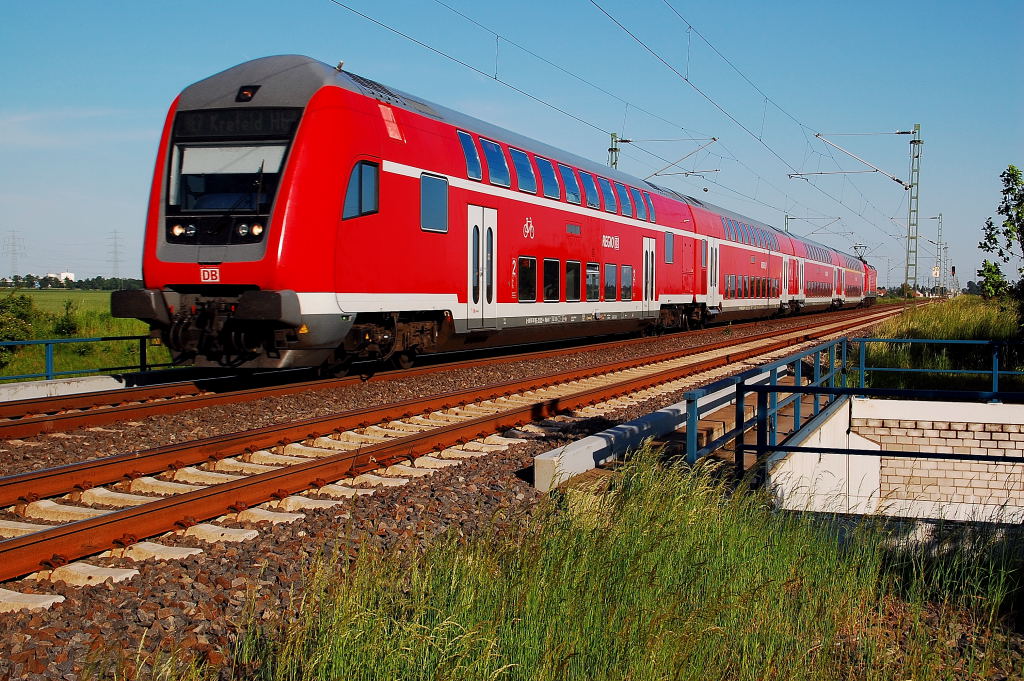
[829, 384]
[997, 349]
[827, 362]
[50, 371]
[764, 437]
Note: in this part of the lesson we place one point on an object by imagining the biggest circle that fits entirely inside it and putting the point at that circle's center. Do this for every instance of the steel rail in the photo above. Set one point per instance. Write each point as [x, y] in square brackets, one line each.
[59, 545]
[32, 485]
[41, 415]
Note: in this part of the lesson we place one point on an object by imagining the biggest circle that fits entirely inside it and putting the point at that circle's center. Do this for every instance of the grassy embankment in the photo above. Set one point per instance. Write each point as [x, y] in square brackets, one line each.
[670, 577]
[962, 318]
[59, 313]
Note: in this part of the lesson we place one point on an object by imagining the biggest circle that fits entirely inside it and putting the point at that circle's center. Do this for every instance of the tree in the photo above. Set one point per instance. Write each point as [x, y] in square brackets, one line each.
[993, 283]
[1006, 240]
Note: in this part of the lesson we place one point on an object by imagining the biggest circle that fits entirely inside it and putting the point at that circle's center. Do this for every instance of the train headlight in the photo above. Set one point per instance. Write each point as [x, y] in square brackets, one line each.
[177, 230]
[257, 229]
[243, 229]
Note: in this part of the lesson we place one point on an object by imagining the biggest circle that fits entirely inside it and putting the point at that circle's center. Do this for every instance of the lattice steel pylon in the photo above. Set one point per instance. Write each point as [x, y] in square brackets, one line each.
[910, 269]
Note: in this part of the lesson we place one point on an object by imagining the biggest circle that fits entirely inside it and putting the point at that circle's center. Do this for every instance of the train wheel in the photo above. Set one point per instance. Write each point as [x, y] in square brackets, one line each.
[403, 360]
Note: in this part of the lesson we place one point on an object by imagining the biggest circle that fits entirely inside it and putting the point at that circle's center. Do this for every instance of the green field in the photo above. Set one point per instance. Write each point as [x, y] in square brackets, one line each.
[52, 300]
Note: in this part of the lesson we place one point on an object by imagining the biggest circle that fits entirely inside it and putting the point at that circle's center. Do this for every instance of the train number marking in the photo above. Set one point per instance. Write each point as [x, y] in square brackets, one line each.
[529, 231]
[209, 275]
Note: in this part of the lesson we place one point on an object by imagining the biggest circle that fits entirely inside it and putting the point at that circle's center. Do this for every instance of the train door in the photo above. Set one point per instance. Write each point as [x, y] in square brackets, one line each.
[800, 280]
[714, 298]
[650, 253]
[481, 278]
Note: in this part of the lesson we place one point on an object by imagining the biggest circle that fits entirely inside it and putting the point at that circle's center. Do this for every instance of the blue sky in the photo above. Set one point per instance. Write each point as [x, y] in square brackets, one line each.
[86, 86]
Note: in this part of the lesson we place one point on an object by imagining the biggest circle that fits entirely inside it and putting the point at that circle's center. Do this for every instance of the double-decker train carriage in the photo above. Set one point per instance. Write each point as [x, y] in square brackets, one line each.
[301, 215]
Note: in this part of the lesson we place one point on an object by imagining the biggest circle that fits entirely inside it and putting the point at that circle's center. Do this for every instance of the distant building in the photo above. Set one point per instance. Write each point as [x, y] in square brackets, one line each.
[67, 275]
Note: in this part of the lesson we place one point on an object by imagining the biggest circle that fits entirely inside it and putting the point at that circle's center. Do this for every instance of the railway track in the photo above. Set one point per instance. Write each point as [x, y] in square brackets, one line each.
[26, 418]
[270, 473]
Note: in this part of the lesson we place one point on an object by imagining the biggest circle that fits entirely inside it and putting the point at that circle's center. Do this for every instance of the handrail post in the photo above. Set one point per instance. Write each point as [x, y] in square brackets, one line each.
[995, 367]
[740, 409]
[831, 372]
[863, 361]
[842, 366]
[798, 403]
[143, 363]
[762, 425]
[49, 362]
[692, 419]
[774, 411]
[816, 381]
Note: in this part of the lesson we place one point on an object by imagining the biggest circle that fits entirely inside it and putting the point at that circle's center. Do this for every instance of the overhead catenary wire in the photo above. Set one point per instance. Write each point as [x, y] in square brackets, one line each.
[688, 81]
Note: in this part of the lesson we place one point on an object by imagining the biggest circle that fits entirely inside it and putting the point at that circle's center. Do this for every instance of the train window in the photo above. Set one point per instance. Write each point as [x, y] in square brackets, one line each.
[727, 223]
[627, 282]
[497, 166]
[623, 194]
[704, 253]
[610, 275]
[361, 197]
[573, 229]
[670, 246]
[590, 190]
[547, 178]
[525, 178]
[572, 187]
[746, 286]
[650, 207]
[573, 272]
[552, 280]
[527, 279]
[433, 203]
[638, 201]
[610, 204]
[473, 170]
[593, 281]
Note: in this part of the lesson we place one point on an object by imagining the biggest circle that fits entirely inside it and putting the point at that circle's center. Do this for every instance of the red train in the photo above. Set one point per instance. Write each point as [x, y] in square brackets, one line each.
[302, 215]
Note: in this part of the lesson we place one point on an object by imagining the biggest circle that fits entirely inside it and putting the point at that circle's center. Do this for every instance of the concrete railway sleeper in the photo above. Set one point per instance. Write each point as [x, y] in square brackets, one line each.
[280, 467]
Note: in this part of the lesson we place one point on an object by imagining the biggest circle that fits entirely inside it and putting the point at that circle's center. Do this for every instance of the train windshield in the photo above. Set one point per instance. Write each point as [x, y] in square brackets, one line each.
[236, 178]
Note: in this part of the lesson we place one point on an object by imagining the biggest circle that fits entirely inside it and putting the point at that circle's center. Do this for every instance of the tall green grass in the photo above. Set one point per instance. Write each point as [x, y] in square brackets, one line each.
[671, 576]
[961, 318]
[79, 314]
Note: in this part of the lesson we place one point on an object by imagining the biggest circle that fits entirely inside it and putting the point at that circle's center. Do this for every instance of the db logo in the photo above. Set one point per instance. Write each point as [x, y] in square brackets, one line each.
[209, 275]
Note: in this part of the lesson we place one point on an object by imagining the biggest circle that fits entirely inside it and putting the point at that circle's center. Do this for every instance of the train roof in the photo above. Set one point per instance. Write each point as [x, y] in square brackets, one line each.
[290, 80]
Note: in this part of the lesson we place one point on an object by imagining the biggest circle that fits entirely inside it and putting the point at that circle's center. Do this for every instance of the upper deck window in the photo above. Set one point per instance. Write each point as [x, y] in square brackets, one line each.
[433, 203]
[473, 170]
[572, 187]
[650, 207]
[610, 204]
[524, 171]
[548, 181]
[497, 166]
[638, 201]
[590, 190]
[627, 205]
